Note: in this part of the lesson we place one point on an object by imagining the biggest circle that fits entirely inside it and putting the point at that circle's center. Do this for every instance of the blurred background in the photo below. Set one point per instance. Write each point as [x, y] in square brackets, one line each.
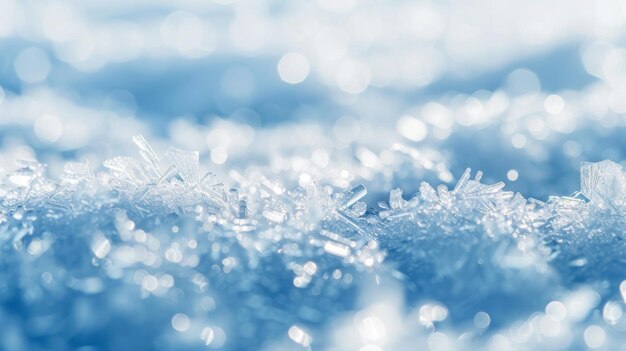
[391, 93]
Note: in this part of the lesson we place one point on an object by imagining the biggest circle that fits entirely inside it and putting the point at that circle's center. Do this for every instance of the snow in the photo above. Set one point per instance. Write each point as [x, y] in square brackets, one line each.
[326, 175]
[91, 252]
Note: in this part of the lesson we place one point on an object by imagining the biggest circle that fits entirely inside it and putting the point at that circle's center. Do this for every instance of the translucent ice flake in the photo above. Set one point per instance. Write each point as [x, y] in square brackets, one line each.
[351, 196]
[460, 185]
[75, 172]
[187, 164]
[395, 199]
[604, 183]
[275, 215]
[427, 192]
[146, 152]
[338, 238]
[22, 177]
[127, 169]
[28, 171]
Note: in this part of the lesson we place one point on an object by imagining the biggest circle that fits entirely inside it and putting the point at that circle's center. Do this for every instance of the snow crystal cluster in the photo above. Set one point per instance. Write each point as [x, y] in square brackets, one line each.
[155, 252]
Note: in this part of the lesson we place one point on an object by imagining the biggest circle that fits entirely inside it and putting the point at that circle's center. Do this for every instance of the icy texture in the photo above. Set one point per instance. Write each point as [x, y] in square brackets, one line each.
[159, 249]
[281, 248]
[245, 263]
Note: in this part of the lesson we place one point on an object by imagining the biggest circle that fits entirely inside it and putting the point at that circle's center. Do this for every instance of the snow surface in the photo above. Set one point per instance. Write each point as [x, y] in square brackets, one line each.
[152, 247]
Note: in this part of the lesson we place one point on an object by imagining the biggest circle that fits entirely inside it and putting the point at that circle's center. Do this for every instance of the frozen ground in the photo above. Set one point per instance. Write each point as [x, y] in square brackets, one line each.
[246, 175]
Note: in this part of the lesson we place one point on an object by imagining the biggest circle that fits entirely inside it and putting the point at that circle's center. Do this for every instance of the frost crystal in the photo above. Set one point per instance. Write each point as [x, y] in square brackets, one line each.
[161, 235]
[604, 183]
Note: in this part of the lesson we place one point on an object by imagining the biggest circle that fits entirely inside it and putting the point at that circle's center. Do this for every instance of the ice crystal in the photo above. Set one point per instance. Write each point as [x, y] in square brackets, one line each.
[260, 262]
[179, 235]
